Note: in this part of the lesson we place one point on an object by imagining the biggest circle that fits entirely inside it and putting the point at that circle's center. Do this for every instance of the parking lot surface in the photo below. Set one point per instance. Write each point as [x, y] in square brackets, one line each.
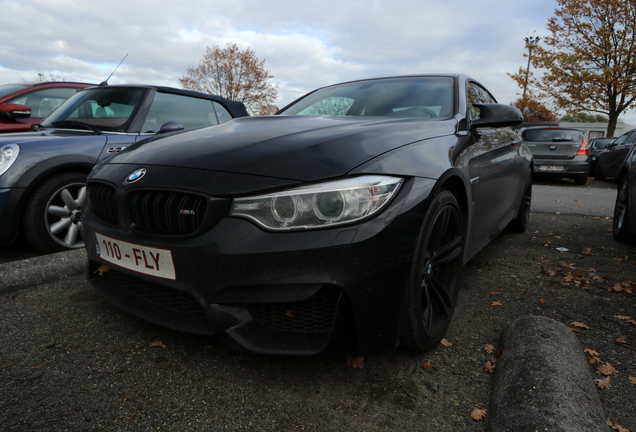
[70, 361]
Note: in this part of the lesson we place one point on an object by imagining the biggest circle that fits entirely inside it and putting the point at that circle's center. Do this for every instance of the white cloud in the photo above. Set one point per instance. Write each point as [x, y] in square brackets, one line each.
[305, 44]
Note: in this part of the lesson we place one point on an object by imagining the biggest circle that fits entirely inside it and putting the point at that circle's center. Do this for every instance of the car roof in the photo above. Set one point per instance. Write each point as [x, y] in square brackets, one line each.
[47, 83]
[174, 90]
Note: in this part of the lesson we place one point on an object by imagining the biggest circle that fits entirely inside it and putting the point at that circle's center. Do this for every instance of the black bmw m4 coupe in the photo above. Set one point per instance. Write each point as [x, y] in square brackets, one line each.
[341, 222]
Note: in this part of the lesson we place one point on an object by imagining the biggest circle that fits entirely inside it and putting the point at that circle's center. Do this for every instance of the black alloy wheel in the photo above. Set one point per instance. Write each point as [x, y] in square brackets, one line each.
[52, 216]
[434, 282]
[622, 230]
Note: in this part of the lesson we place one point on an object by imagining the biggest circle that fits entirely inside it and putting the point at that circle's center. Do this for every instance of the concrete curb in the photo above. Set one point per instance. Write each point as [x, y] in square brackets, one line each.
[34, 271]
[543, 381]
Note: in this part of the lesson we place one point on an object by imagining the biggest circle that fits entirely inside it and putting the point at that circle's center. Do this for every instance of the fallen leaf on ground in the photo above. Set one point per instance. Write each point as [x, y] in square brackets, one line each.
[478, 414]
[623, 317]
[493, 292]
[631, 321]
[496, 303]
[574, 330]
[427, 365]
[603, 383]
[102, 269]
[355, 362]
[632, 379]
[489, 348]
[620, 340]
[616, 426]
[446, 342]
[158, 344]
[541, 301]
[579, 324]
[489, 367]
[588, 252]
[607, 369]
[594, 360]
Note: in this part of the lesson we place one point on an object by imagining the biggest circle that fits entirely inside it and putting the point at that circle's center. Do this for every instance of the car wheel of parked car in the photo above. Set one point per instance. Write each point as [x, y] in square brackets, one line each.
[580, 180]
[434, 280]
[520, 223]
[622, 230]
[52, 217]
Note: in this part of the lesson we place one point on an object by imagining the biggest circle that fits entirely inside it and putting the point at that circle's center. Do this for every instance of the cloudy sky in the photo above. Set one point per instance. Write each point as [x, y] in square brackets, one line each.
[306, 44]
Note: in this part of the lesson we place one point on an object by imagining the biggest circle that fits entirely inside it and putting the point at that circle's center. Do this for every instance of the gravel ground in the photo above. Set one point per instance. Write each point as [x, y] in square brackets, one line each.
[70, 361]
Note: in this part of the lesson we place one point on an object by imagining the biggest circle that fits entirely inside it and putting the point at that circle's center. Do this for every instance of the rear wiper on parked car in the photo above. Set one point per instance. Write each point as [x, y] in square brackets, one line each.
[63, 123]
[561, 139]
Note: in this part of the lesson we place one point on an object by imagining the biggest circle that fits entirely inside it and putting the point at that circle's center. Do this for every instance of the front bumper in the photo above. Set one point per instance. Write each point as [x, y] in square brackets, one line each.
[294, 293]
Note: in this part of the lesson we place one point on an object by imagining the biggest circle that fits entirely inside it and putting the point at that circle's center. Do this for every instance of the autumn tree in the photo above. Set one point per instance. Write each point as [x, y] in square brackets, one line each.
[234, 74]
[590, 58]
[533, 110]
[584, 118]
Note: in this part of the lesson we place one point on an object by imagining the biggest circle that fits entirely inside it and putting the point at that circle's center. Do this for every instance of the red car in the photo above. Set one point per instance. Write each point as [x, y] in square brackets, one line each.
[23, 104]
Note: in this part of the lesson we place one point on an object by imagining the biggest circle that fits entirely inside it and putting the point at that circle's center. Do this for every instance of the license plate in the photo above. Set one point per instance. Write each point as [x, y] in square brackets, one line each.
[550, 168]
[142, 259]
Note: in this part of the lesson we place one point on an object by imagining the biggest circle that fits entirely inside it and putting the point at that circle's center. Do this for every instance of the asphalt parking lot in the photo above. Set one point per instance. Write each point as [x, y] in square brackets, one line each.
[70, 361]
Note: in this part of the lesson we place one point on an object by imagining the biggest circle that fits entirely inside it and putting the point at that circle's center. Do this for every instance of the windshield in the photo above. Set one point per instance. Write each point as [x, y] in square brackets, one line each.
[390, 97]
[108, 109]
[10, 88]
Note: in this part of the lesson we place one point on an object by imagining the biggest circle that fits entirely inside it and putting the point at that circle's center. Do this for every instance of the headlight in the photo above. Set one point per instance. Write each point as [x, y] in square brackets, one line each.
[319, 205]
[8, 155]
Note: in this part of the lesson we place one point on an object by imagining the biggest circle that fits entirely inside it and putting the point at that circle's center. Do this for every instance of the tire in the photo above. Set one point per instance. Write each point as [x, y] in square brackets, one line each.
[622, 230]
[434, 280]
[52, 216]
[580, 180]
[520, 223]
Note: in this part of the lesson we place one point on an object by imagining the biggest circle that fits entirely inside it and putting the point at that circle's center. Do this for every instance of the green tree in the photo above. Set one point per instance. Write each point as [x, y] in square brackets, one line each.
[589, 59]
[234, 74]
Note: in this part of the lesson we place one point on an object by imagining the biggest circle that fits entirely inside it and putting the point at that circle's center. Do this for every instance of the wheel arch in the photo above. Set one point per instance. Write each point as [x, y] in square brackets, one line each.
[45, 170]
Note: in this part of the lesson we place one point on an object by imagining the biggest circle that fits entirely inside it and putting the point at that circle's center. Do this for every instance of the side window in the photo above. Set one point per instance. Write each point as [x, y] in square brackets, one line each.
[477, 94]
[632, 138]
[222, 114]
[43, 102]
[191, 112]
[620, 140]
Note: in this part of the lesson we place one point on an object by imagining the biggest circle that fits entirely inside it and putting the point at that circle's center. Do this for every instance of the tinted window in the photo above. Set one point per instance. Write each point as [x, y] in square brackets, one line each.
[192, 113]
[222, 114]
[43, 102]
[552, 135]
[391, 97]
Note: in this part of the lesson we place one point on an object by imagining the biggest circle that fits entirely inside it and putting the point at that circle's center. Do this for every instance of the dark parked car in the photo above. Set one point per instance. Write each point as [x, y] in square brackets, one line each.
[610, 160]
[624, 228]
[343, 221]
[559, 152]
[596, 147]
[27, 103]
[43, 173]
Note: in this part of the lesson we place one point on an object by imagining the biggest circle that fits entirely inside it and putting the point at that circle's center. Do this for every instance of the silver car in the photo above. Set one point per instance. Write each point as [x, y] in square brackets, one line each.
[558, 152]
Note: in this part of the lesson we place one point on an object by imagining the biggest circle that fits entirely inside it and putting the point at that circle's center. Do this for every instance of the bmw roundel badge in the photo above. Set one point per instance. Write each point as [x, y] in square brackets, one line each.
[135, 175]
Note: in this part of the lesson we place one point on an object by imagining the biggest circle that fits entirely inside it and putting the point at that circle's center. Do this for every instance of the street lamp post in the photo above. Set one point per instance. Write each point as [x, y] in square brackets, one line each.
[531, 42]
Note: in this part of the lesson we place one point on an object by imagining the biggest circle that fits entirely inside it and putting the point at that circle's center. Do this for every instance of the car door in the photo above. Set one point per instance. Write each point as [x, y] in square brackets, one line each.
[618, 152]
[498, 164]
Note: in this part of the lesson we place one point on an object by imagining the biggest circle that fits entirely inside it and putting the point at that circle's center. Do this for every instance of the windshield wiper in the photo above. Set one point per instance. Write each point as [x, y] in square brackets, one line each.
[86, 126]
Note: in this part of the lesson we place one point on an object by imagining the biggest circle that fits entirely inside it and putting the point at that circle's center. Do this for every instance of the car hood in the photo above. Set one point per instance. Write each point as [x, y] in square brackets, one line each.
[300, 148]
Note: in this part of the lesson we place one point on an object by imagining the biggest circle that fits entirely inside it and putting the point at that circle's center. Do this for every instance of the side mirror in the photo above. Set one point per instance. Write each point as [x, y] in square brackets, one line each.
[16, 110]
[171, 126]
[497, 115]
